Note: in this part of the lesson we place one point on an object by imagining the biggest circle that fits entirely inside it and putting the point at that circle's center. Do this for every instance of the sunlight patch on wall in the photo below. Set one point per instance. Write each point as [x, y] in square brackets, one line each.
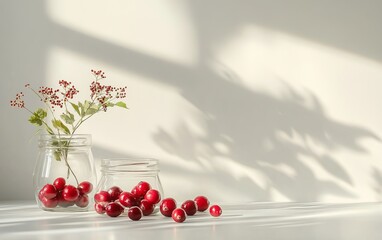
[159, 28]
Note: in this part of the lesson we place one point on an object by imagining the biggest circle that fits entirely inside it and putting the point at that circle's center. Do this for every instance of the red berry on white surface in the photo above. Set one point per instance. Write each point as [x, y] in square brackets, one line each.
[202, 203]
[167, 206]
[49, 191]
[82, 201]
[189, 207]
[70, 193]
[113, 209]
[127, 199]
[99, 208]
[146, 207]
[179, 215]
[85, 187]
[114, 192]
[153, 196]
[59, 183]
[102, 197]
[215, 210]
[134, 213]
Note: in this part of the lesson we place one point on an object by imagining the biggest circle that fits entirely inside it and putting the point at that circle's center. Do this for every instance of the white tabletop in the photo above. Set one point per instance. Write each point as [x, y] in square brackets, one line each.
[23, 220]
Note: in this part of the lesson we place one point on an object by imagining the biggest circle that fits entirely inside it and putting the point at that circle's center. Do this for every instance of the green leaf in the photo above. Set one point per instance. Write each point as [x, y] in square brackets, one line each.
[60, 126]
[76, 108]
[67, 117]
[82, 109]
[121, 104]
[38, 116]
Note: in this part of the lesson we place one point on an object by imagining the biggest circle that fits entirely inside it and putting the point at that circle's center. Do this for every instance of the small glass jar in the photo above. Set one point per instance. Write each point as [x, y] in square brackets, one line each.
[66, 163]
[126, 173]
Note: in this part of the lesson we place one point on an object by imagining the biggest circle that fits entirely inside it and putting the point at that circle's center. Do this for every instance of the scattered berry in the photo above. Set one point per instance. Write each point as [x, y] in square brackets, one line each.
[179, 215]
[215, 210]
[189, 207]
[202, 203]
[134, 213]
[167, 206]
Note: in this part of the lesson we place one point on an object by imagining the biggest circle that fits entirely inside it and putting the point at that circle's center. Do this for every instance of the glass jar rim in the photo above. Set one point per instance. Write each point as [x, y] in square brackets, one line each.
[75, 140]
[129, 164]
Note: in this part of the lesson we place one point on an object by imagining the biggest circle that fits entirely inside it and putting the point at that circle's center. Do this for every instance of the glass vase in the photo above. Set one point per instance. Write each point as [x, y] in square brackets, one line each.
[64, 173]
[125, 174]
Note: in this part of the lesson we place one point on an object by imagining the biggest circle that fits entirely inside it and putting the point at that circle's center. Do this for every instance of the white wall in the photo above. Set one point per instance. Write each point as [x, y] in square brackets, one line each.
[240, 100]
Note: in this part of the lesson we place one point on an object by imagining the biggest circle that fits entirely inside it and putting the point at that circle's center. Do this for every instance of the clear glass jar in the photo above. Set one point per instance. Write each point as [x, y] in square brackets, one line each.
[126, 173]
[68, 158]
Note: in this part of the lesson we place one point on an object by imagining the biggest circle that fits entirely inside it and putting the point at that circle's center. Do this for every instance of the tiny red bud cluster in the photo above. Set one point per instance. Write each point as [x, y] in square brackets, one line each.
[18, 101]
[98, 73]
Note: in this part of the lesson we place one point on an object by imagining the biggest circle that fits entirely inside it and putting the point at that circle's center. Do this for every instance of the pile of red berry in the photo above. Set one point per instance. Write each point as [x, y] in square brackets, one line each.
[63, 195]
[141, 201]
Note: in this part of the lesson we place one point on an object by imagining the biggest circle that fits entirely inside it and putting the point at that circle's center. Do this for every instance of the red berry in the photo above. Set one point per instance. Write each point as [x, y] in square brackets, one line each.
[113, 209]
[62, 202]
[167, 206]
[102, 197]
[114, 193]
[190, 207]
[136, 194]
[202, 203]
[59, 183]
[153, 196]
[142, 188]
[49, 203]
[49, 191]
[146, 207]
[99, 208]
[215, 210]
[134, 213]
[127, 199]
[85, 187]
[179, 215]
[82, 201]
[70, 193]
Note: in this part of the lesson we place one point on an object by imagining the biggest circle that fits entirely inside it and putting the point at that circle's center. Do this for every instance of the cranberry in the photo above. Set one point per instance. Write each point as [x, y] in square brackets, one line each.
[102, 197]
[167, 206]
[113, 209]
[153, 196]
[62, 202]
[59, 183]
[190, 207]
[215, 210]
[179, 215]
[146, 207]
[136, 194]
[70, 193]
[99, 208]
[202, 203]
[49, 191]
[82, 201]
[85, 187]
[127, 199]
[49, 203]
[134, 213]
[114, 193]
[142, 188]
